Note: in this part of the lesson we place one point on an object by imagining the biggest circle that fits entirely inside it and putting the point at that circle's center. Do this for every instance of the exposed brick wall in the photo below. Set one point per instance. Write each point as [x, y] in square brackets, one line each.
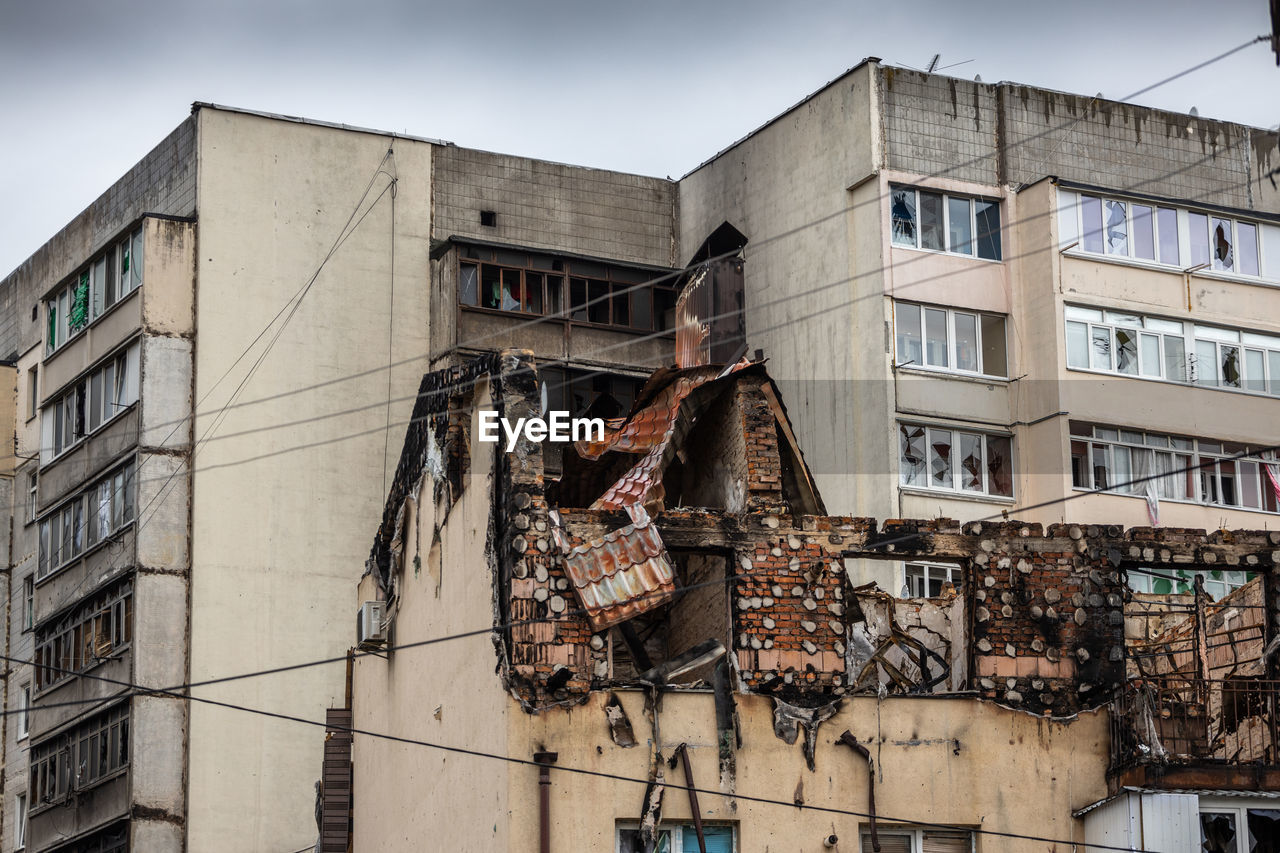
[760, 440]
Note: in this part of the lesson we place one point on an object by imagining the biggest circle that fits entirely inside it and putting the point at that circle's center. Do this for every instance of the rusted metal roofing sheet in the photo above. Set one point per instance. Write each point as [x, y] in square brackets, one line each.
[621, 575]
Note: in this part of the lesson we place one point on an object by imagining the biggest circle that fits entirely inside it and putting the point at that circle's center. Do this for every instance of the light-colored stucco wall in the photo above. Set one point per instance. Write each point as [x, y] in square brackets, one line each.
[954, 761]
[413, 797]
[288, 485]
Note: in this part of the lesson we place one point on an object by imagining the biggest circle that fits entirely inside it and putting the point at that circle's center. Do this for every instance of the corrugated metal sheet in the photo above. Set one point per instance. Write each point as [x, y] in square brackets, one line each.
[623, 574]
[1164, 822]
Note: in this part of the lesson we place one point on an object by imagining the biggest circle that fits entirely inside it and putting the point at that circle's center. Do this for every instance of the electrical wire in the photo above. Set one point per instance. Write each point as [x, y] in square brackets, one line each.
[880, 545]
[597, 774]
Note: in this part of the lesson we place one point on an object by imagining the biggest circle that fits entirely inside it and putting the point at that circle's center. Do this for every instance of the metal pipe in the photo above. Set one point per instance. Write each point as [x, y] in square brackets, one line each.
[682, 751]
[544, 760]
[852, 742]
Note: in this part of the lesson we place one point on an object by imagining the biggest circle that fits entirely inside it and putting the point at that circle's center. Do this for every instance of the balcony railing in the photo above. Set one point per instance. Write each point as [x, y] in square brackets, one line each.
[1178, 720]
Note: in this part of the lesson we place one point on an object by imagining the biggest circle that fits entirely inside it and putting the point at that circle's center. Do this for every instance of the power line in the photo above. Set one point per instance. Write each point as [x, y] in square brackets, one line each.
[505, 626]
[615, 777]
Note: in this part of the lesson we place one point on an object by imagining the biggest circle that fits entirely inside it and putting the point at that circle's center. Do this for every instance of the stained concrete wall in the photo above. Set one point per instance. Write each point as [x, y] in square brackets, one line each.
[411, 797]
[926, 751]
[288, 487]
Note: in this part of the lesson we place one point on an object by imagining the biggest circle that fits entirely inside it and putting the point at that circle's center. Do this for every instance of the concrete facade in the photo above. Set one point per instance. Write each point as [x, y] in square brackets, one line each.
[825, 275]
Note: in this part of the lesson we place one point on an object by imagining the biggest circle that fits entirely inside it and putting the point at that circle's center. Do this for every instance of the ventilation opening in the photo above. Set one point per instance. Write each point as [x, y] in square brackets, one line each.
[489, 218]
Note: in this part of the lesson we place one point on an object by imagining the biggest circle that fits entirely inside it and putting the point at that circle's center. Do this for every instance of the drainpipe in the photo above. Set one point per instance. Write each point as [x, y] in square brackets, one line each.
[544, 760]
[852, 742]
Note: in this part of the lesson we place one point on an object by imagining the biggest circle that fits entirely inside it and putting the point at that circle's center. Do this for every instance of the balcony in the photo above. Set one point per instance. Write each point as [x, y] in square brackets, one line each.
[1187, 732]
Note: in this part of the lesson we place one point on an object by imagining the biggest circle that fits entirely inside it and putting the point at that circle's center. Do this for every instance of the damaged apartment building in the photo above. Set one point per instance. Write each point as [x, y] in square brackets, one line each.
[680, 659]
[186, 463]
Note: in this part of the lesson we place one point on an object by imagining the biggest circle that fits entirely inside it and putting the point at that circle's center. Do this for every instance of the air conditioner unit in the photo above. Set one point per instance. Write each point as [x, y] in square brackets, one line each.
[369, 619]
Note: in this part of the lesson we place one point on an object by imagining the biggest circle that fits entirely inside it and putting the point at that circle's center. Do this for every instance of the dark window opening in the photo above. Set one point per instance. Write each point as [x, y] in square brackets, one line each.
[489, 218]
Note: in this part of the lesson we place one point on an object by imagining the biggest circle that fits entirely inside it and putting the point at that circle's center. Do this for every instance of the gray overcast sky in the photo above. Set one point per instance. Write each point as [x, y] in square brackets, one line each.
[651, 87]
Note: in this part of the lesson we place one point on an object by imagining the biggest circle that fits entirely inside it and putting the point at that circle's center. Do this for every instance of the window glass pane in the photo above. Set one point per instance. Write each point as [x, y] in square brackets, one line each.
[970, 471]
[1273, 367]
[1075, 312]
[1101, 349]
[1250, 494]
[1126, 350]
[621, 305]
[994, 360]
[468, 282]
[935, 333]
[1117, 231]
[903, 214]
[1220, 235]
[532, 298]
[1227, 483]
[1156, 324]
[1150, 354]
[1080, 465]
[1175, 359]
[987, 217]
[1198, 226]
[1167, 224]
[907, 322]
[1101, 467]
[1091, 213]
[1247, 248]
[966, 342]
[959, 228]
[490, 286]
[1121, 468]
[1206, 363]
[511, 291]
[598, 301]
[1230, 371]
[1144, 236]
[1264, 830]
[137, 259]
[642, 308]
[1077, 344]
[911, 454]
[1000, 465]
[1255, 378]
[940, 458]
[931, 221]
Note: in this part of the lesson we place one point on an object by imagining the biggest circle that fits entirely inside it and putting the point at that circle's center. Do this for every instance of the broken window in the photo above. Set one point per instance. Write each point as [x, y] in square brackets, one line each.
[677, 838]
[1126, 351]
[72, 761]
[903, 215]
[1218, 832]
[107, 279]
[90, 403]
[528, 283]
[957, 460]
[83, 637]
[93, 515]
[1117, 230]
[922, 219]
[1222, 242]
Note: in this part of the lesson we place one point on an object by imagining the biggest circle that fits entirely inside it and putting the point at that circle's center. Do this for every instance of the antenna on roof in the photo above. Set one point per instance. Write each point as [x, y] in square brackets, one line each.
[933, 63]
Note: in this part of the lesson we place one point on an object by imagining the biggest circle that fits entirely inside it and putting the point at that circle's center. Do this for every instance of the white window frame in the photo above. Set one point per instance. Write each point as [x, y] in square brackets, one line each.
[33, 493]
[1072, 233]
[29, 602]
[946, 223]
[956, 487]
[900, 359]
[106, 283]
[676, 843]
[24, 710]
[1240, 808]
[1193, 337]
[951, 573]
[1217, 588]
[20, 824]
[59, 415]
[1196, 453]
[115, 492]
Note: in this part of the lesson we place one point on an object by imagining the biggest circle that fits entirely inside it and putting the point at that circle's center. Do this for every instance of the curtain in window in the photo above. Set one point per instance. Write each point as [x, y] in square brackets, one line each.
[1146, 484]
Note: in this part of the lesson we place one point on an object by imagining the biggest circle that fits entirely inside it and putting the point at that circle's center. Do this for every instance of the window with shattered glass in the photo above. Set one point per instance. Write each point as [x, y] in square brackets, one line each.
[1117, 228]
[955, 460]
[942, 222]
[677, 839]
